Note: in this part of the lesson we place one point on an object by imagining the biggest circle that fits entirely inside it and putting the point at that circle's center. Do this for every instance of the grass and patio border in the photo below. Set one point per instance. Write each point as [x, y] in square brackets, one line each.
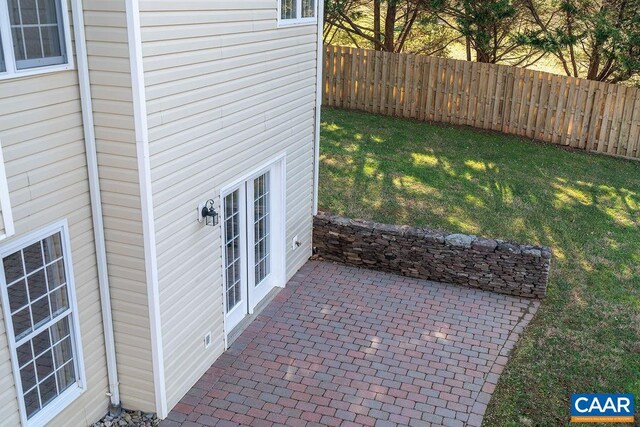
[586, 207]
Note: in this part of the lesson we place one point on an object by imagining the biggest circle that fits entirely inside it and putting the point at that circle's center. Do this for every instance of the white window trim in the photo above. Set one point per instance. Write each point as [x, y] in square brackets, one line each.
[7, 46]
[5, 201]
[296, 21]
[57, 405]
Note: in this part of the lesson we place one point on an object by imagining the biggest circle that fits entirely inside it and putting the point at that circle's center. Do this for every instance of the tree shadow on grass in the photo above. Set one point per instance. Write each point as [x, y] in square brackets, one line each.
[478, 187]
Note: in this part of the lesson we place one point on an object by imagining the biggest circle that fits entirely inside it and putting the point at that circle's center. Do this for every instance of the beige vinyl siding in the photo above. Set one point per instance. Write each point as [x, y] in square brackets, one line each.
[43, 146]
[226, 90]
[108, 51]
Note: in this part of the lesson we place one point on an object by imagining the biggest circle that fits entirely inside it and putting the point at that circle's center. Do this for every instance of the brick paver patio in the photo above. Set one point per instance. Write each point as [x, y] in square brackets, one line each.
[347, 346]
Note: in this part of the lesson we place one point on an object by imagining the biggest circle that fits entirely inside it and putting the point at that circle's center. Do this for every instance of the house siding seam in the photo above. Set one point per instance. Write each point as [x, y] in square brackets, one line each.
[226, 89]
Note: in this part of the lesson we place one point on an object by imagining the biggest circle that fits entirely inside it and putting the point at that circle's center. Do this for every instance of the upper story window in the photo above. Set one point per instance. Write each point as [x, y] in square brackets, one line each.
[34, 36]
[293, 12]
[41, 316]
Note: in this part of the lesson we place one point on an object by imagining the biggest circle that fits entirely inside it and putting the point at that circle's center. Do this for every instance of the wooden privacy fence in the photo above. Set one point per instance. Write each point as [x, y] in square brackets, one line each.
[562, 110]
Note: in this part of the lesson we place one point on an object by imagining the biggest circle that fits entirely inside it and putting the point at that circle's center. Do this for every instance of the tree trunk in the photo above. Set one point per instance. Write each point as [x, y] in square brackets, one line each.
[572, 54]
[482, 56]
[468, 40]
[594, 64]
[390, 26]
[376, 24]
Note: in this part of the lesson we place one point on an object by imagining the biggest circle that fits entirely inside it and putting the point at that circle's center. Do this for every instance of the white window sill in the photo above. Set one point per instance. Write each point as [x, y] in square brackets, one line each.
[4, 75]
[56, 406]
[296, 22]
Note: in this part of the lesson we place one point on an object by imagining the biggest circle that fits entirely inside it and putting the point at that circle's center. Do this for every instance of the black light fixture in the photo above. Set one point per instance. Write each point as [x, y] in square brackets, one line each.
[207, 214]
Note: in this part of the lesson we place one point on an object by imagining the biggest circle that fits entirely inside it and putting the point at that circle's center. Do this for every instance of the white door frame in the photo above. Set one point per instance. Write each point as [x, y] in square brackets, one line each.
[238, 312]
[277, 276]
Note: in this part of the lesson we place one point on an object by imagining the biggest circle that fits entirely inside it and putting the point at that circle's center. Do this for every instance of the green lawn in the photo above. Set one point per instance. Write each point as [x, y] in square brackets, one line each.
[586, 336]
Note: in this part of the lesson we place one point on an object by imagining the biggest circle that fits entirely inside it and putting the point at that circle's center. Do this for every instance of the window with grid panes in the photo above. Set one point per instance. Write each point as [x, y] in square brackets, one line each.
[297, 11]
[33, 35]
[37, 301]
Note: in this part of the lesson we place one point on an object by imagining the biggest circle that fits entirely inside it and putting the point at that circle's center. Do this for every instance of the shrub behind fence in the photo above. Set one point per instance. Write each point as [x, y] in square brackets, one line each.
[584, 114]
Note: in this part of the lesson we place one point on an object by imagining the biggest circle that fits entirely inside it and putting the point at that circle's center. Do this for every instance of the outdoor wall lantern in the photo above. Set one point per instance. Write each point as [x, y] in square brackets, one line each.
[207, 214]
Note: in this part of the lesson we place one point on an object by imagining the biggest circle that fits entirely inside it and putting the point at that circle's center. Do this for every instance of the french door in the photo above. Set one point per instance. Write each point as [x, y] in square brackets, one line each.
[253, 218]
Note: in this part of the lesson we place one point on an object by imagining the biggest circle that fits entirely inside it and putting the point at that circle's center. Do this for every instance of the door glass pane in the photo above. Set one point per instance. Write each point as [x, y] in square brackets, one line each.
[232, 249]
[261, 217]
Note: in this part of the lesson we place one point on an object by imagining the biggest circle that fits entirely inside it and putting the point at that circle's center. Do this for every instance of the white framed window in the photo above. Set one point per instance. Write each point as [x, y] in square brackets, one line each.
[41, 318]
[35, 37]
[297, 12]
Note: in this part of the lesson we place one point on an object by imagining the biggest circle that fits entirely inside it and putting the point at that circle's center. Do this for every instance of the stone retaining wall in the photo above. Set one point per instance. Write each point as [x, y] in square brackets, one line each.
[495, 265]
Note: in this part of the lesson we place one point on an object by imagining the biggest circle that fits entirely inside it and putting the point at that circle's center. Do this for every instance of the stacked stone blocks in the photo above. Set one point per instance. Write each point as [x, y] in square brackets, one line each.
[495, 265]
